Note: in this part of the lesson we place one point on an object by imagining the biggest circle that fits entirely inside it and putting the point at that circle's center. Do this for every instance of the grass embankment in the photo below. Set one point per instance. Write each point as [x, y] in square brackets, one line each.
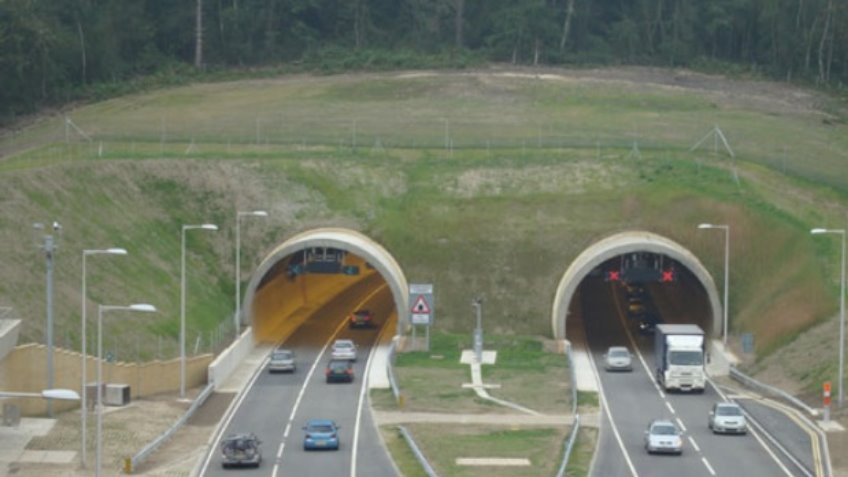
[477, 182]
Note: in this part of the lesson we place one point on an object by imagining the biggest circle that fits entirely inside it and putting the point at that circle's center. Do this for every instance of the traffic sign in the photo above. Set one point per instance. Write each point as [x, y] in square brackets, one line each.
[421, 303]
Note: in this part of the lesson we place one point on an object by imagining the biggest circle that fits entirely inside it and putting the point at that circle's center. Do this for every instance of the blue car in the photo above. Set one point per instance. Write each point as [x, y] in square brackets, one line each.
[321, 434]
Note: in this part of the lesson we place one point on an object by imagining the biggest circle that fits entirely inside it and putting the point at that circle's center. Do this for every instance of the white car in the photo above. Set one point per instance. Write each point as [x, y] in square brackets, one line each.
[663, 436]
[344, 349]
[727, 417]
[618, 358]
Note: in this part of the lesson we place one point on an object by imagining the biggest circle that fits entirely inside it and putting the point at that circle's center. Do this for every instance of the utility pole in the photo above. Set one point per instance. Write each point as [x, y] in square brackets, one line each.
[49, 248]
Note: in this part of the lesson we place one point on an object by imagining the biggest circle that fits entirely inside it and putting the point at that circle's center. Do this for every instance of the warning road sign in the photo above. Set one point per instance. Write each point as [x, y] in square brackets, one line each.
[421, 305]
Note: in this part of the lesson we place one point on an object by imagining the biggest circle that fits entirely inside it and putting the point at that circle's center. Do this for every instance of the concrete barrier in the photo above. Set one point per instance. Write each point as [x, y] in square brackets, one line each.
[223, 366]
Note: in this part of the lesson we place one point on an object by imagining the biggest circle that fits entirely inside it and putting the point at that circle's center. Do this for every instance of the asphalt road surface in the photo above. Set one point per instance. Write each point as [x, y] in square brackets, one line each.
[633, 400]
[277, 406]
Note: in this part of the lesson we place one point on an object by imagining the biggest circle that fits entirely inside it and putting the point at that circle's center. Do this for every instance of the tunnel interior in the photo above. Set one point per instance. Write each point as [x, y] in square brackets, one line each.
[638, 290]
[301, 283]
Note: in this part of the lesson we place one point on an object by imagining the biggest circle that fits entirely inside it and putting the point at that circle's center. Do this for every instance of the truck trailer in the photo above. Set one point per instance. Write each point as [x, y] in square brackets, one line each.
[680, 356]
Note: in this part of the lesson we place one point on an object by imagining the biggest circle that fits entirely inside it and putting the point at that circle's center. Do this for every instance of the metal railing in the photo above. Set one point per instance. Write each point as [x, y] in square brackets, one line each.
[417, 452]
[766, 389]
[572, 436]
[132, 463]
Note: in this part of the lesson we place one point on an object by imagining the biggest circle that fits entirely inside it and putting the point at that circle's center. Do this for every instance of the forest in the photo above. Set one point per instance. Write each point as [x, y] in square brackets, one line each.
[53, 52]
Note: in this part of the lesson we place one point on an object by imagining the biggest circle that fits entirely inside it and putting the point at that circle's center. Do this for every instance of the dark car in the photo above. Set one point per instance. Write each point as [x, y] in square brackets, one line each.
[321, 434]
[648, 323]
[240, 450]
[361, 319]
[339, 370]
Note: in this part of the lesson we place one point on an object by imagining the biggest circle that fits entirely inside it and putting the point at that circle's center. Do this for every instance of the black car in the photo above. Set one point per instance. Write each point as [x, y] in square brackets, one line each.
[240, 450]
[339, 370]
[648, 323]
[360, 319]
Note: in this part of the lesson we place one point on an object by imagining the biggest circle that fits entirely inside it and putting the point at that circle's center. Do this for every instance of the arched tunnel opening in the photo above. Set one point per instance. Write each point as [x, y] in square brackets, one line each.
[323, 277]
[620, 288]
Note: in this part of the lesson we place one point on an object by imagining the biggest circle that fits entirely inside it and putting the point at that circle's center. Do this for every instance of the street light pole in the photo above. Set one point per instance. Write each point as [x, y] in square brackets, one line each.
[726, 229]
[83, 408]
[49, 248]
[183, 299]
[239, 215]
[100, 309]
[840, 395]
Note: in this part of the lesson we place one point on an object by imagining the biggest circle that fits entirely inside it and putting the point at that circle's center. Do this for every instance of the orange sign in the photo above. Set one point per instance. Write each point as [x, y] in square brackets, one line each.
[826, 388]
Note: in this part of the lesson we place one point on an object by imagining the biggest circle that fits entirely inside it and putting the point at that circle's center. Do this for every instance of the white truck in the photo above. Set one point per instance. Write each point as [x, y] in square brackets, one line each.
[680, 356]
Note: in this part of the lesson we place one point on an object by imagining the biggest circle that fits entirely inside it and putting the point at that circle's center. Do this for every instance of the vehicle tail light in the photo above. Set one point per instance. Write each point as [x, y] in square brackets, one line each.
[349, 371]
[327, 372]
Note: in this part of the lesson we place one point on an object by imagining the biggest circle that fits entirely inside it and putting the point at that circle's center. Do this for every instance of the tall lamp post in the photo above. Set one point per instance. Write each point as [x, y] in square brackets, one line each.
[64, 394]
[49, 248]
[726, 229]
[182, 301]
[841, 232]
[83, 408]
[239, 215]
[144, 307]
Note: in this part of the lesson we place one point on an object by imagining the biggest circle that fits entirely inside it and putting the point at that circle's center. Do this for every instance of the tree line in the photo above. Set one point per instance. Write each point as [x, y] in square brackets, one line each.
[55, 51]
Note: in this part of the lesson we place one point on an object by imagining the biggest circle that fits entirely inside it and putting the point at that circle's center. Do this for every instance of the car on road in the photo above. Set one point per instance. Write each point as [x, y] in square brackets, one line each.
[339, 370]
[663, 436]
[618, 358]
[282, 360]
[238, 450]
[321, 434]
[728, 418]
[344, 349]
[361, 319]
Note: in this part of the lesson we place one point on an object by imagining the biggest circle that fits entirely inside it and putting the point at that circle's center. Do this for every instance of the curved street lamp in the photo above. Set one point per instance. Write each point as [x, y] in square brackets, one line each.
[144, 307]
[726, 229]
[83, 409]
[182, 301]
[841, 232]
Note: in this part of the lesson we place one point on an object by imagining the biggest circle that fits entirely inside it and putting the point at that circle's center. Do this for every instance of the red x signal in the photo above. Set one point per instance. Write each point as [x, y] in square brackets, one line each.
[667, 276]
[613, 275]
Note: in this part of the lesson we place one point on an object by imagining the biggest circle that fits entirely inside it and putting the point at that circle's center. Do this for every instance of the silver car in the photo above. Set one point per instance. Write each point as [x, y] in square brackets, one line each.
[282, 360]
[618, 358]
[344, 349]
[663, 436]
[727, 417]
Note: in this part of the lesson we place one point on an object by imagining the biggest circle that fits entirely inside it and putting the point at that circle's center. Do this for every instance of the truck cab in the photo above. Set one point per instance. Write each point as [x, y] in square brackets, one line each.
[680, 357]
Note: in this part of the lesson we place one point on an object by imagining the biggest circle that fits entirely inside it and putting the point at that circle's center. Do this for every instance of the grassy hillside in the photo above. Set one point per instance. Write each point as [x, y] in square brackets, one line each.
[487, 182]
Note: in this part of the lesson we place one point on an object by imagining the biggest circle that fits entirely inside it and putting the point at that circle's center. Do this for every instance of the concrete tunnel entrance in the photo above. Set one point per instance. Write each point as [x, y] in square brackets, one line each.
[621, 244]
[275, 291]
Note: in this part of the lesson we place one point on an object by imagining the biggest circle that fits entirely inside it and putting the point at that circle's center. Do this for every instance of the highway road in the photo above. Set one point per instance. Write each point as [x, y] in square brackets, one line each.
[277, 406]
[633, 399]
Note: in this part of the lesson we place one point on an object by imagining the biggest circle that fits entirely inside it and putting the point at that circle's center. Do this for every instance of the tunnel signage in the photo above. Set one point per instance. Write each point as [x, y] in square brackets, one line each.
[421, 298]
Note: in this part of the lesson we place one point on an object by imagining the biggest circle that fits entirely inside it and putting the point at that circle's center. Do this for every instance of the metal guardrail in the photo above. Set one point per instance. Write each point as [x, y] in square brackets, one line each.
[391, 370]
[131, 463]
[572, 437]
[418, 454]
[765, 388]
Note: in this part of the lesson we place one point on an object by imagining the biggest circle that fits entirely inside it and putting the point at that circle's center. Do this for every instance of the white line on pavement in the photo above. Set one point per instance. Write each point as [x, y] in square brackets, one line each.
[694, 444]
[707, 464]
[670, 409]
[680, 423]
[355, 449]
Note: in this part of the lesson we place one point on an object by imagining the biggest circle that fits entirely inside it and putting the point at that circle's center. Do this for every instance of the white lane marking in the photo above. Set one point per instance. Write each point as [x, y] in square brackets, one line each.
[615, 432]
[707, 464]
[315, 365]
[274, 473]
[364, 388]
[670, 409]
[754, 432]
[286, 432]
[226, 424]
[280, 451]
[682, 426]
[694, 444]
[635, 346]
